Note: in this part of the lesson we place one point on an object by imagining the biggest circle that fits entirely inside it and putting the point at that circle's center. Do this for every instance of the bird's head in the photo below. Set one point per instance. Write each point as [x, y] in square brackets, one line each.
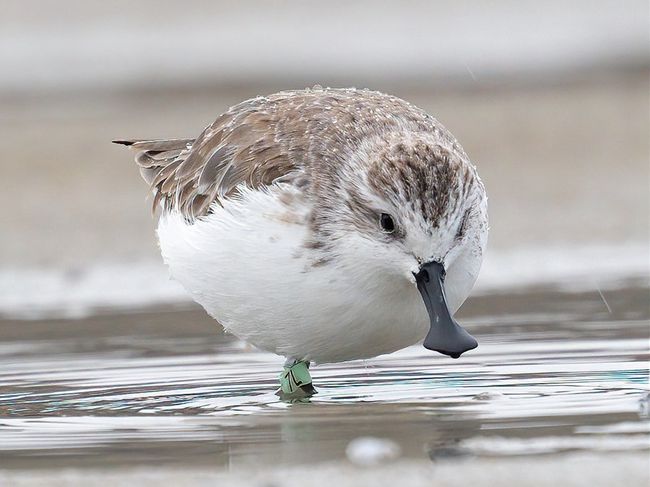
[411, 209]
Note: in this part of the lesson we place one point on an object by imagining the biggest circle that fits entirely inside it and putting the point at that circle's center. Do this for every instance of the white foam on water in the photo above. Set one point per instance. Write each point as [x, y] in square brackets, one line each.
[554, 444]
[30, 293]
[572, 268]
[39, 293]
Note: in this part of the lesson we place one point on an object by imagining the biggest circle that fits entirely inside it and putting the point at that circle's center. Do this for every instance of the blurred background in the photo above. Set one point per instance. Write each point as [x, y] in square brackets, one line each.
[105, 364]
[549, 99]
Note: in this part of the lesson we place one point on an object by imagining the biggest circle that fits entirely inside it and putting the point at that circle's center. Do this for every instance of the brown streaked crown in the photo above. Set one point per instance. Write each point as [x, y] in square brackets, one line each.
[432, 179]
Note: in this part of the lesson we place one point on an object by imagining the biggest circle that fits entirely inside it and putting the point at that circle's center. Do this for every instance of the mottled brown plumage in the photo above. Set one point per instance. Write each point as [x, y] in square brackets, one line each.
[313, 223]
[305, 137]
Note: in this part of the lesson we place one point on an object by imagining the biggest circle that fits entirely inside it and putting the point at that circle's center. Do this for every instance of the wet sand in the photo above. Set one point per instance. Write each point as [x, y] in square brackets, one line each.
[557, 392]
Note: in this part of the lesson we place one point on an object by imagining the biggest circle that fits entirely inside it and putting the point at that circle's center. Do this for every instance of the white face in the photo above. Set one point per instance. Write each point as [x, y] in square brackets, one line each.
[398, 240]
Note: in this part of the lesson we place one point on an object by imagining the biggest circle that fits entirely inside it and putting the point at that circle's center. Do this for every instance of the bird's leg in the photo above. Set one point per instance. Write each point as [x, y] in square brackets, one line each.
[295, 380]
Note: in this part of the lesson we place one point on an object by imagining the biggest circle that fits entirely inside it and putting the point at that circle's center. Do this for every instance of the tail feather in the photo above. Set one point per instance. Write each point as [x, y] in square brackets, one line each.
[157, 158]
[155, 145]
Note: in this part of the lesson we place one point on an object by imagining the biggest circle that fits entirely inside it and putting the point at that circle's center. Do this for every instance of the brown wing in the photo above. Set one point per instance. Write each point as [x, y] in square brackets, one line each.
[239, 147]
[282, 137]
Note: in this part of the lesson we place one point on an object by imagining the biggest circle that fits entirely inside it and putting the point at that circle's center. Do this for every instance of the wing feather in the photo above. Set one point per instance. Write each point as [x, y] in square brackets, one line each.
[240, 147]
[289, 136]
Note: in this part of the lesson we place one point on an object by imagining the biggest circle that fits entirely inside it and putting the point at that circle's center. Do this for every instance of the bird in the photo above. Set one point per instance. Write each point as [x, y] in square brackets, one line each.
[323, 225]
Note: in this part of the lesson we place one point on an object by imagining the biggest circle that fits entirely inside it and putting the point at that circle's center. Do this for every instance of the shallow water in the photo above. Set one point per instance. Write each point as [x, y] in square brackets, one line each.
[555, 372]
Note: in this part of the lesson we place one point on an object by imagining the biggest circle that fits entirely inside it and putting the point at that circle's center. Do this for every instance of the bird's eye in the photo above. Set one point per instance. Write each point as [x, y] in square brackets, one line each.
[387, 223]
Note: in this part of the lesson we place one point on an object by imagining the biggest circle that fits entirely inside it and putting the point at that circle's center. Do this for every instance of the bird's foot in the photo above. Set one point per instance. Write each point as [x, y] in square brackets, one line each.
[295, 381]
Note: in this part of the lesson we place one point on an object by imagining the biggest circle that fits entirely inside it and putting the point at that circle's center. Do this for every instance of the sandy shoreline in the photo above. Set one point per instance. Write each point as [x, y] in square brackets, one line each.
[83, 237]
[547, 155]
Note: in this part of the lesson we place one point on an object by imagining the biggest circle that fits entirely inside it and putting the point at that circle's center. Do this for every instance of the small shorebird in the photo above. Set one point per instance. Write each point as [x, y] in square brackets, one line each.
[322, 225]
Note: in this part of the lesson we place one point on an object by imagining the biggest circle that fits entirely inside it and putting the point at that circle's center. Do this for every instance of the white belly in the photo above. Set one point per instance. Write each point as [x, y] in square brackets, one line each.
[246, 264]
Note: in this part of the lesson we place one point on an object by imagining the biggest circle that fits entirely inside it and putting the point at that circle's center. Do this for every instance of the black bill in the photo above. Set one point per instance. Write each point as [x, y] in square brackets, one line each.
[445, 335]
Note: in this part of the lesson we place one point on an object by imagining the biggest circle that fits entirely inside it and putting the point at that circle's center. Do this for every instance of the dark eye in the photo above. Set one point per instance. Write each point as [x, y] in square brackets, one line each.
[387, 223]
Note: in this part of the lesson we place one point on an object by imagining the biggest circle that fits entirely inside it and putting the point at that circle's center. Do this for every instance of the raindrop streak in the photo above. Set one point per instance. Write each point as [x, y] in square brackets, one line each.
[603, 297]
[471, 73]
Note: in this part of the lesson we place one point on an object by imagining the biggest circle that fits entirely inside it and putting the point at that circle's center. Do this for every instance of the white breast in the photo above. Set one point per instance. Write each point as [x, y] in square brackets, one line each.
[247, 265]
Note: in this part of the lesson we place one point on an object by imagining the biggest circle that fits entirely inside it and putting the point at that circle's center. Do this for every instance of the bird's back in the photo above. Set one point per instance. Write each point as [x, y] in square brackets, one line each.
[289, 136]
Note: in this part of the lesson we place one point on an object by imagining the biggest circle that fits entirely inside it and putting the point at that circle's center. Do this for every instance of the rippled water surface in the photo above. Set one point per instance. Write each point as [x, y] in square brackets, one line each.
[554, 372]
